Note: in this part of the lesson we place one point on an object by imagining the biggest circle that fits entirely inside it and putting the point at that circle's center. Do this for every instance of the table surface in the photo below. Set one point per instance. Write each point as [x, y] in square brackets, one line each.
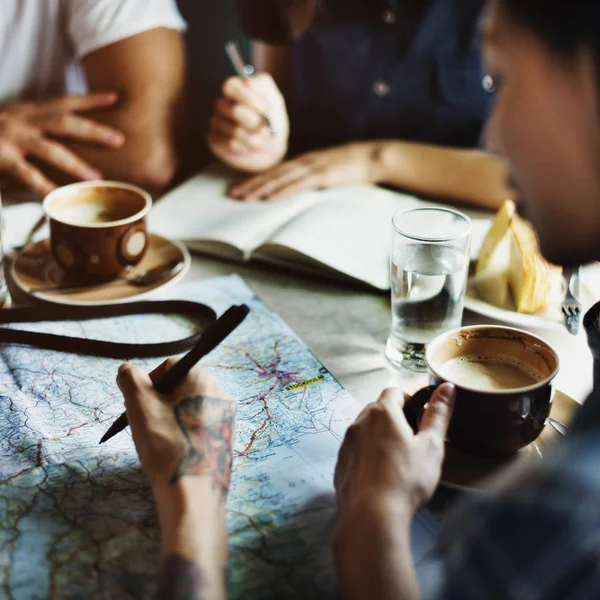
[347, 328]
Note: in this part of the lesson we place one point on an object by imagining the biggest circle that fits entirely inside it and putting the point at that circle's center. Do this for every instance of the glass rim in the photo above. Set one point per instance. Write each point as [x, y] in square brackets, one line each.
[418, 238]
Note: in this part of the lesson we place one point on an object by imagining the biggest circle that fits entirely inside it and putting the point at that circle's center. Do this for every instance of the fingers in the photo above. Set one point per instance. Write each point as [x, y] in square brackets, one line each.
[134, 383]
[240, 114]
[248, 139]
[31, 177]
[304, 184]
[62, 158]
[247, 93]
[393, 398]
[345, 457]
[80, 128]
[197, 382]
[269, 183]
[132, 380]
[159, 372]
[79, 103]
[436, 417]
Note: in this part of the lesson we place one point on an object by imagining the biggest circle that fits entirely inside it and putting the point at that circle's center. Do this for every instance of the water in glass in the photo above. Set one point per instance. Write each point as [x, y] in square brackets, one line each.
[428, 288]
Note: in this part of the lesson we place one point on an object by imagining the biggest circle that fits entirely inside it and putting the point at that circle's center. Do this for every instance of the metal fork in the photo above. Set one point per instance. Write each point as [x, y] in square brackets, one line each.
[571, 307]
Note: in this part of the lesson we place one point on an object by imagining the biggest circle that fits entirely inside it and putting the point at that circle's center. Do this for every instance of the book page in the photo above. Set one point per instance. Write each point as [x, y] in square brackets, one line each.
[350, 231]
[200, 213]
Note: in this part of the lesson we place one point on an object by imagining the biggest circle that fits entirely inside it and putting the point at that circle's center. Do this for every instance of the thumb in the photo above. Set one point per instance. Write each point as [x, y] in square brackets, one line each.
[438, 411]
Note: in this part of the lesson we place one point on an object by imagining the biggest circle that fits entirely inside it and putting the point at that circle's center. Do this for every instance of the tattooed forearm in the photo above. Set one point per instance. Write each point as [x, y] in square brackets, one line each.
[207, 425]
[181, 579]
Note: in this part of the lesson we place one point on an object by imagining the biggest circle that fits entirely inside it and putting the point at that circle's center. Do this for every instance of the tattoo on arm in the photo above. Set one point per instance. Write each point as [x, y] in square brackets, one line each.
[207, 425]
[181, 579]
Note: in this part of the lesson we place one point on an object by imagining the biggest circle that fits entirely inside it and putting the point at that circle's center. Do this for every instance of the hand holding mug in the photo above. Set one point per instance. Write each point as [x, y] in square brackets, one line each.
[382, 461]
[239, 135]
[503, 379]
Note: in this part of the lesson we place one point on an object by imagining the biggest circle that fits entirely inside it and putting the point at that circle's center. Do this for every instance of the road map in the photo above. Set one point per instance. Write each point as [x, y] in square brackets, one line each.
[77, 519]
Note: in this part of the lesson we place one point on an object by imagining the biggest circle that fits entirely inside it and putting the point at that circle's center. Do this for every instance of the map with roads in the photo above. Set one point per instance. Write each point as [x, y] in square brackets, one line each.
[77, 520]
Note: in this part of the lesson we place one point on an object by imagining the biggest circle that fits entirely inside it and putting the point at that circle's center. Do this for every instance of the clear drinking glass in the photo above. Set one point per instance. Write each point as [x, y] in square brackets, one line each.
[429, 268]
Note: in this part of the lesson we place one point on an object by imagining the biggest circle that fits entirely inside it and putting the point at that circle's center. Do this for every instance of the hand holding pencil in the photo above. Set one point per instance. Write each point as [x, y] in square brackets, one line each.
[249, 129]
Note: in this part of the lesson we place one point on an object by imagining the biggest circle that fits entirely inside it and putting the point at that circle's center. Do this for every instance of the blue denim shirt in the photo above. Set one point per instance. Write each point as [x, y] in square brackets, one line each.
[382, 69]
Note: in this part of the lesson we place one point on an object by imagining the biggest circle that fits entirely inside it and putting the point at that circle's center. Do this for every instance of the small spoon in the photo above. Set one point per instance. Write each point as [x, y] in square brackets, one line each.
[558, 426]
[143, 279]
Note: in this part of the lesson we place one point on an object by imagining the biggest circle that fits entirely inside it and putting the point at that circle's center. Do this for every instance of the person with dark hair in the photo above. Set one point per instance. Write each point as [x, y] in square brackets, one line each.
[535, 535]
[360, 91]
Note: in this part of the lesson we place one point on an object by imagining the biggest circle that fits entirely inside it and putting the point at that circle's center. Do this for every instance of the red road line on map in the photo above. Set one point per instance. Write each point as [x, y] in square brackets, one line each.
[257, 431]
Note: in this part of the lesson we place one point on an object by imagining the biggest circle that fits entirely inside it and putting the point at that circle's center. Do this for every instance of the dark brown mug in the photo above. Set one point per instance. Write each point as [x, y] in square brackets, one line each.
[498, 409]
[97, 229]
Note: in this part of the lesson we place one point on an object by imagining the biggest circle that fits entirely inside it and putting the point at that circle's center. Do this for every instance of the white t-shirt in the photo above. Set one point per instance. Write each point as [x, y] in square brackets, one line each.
[42, 41]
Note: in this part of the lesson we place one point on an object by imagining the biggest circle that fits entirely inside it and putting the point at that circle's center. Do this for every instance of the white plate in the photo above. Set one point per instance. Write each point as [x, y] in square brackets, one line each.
[590, 294]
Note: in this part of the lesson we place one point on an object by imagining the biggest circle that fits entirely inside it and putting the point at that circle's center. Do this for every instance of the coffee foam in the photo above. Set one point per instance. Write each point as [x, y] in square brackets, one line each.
[92, 212]
[489, 372]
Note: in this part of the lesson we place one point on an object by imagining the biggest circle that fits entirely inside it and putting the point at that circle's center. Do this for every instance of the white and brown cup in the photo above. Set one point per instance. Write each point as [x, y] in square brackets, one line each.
[97, 229]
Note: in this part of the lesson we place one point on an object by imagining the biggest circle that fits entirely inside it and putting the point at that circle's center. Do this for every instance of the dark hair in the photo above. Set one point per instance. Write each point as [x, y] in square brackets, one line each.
[565, 26]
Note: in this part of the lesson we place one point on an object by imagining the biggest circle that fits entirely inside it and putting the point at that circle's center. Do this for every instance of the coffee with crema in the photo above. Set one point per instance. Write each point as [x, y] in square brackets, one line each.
[488, 373]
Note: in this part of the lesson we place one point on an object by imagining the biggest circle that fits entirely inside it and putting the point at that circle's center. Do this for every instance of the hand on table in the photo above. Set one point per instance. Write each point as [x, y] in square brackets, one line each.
[343, 165]
[32, 129]
[238, 133]
[383, 460]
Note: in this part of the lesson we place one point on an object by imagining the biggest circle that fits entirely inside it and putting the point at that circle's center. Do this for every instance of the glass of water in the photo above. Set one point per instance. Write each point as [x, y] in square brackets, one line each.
[429, 268]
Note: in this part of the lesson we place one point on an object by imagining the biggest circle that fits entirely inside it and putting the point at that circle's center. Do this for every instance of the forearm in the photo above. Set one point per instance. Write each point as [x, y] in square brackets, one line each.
[147, 71]
[373, 556]
[194, 541]
[149, 156]
[464, 175]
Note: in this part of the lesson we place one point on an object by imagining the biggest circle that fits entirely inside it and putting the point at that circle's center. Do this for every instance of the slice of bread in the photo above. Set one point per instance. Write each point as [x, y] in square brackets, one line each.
[496, 235]
[532, 279]
[511, 273]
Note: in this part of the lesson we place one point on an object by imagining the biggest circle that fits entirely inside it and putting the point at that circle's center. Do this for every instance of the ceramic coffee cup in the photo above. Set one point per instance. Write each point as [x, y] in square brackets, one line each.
[97, 229]
[503, 385]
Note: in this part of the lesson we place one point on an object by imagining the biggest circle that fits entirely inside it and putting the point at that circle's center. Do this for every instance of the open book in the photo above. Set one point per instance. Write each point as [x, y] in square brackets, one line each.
[343, 232]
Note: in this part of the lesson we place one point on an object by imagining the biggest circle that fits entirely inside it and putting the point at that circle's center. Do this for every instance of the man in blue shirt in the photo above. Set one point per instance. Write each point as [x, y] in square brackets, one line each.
[536, 535]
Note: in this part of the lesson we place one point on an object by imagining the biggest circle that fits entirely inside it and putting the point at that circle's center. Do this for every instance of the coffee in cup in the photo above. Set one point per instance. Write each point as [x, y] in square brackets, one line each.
[97, 229]
[503, 387]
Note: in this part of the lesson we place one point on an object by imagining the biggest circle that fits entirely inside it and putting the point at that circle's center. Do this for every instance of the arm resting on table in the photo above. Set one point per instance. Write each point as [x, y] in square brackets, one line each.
[465, 175]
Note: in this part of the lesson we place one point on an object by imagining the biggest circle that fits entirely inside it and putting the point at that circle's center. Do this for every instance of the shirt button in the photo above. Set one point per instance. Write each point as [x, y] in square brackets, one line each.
[381, 88]
[488, 83]
[389, 17]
